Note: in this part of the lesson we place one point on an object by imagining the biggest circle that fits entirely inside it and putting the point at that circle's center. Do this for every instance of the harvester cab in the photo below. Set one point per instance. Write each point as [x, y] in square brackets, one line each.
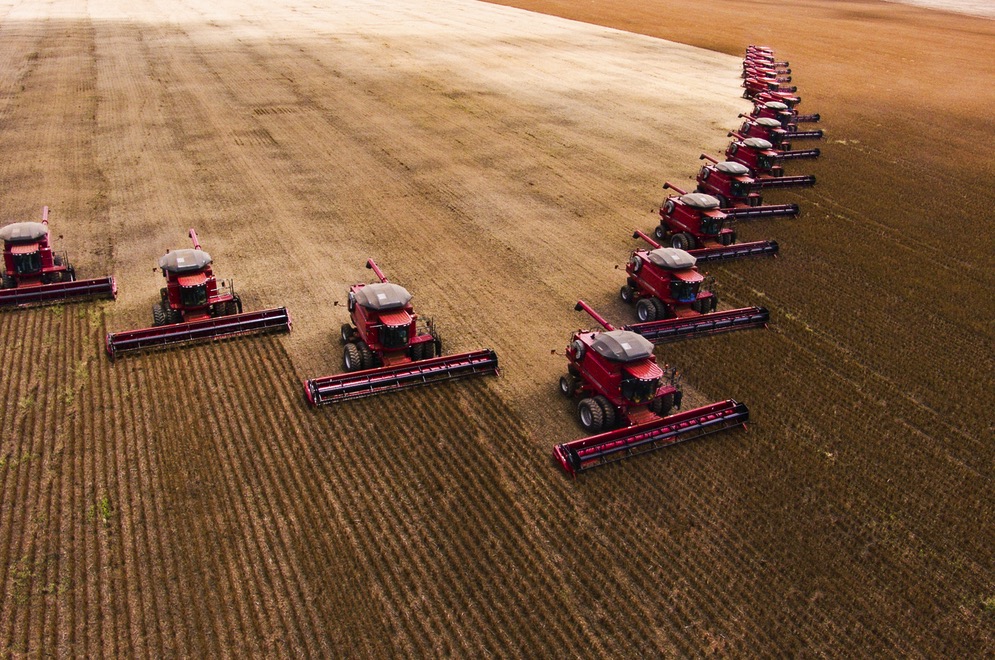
[619, 383]
[194, 306]
[28, 256]
[388, 347]
[691, 220]
[616, 377]
[730, 182]
[34, 273]
[192, 293]
[385, 329]
[663, 283]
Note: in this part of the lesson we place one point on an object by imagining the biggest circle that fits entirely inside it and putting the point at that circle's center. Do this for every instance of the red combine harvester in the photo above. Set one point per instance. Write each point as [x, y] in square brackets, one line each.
[694, 222]
[783, 110]
[194, 306]
[672, 299]
[731, 184]
[34, 275]
[762, 160]
[757, 84]
[770, 130]
[620, 384]
[760, 155]
[387, 347]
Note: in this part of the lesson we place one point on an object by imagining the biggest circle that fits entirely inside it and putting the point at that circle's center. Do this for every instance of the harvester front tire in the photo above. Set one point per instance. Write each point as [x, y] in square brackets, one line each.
[723, 202]
[680, 241]
[607, 411]
[428, 350]
[662, 311]
[158, 315]
[6, 282]
[352, 360]
[590, 415]
[626, 294]
[346, 333]
[662, 405]
[366, 358]
[567, 385]
[646, 310]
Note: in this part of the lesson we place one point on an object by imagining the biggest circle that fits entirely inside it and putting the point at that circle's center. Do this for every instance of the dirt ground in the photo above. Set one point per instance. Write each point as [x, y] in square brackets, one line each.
[495, 162]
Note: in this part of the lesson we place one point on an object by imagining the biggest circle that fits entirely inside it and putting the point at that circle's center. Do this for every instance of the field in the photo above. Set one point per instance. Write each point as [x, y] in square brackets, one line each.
[494, 161]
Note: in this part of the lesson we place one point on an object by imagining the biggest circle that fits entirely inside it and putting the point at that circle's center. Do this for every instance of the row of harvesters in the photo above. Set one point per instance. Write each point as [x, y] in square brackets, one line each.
[625, 396]
[386, 347]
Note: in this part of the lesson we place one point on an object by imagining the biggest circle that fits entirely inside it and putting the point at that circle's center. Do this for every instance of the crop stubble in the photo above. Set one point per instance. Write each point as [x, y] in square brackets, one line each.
[187, 502]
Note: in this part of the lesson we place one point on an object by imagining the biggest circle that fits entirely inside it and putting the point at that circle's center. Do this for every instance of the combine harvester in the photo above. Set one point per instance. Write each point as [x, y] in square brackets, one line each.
[672, 301]
[782, 108]
[34, 275]
[194, 307]
[694, 222]
[759, 156]
[770, 129]
[388, 348]
[625, 397]
[730, 182]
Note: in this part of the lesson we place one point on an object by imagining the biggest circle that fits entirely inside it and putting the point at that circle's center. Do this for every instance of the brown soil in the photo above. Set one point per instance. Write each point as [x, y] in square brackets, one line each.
[494, 162]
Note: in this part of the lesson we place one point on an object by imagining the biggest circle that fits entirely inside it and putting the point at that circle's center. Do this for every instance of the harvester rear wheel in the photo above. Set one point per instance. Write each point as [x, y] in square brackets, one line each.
[366, 358]
[607, 411]
[352, 360]
[347, 332]
[626, 294]
[646, 310]
[660, 232]
[590, 415]
[158, 315]
[662, 405]
[567, 385]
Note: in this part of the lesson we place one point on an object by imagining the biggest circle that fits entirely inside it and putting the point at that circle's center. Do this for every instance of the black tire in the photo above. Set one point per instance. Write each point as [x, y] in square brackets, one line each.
[352, 359]
[366, 357]
[567, 385]
[158, 315]
[590, 415]
[662, 405]
[627, 294]
[681, 241]
[416, 352]
[607, 411]
[69, 275]
[237, 303]
[692, 243]
[6, 282]
[662, 311]
[428, 349]
[57, 260]
[723, 201]
[172, 315]
[347, 333]
[646, 310]
[660, 232]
